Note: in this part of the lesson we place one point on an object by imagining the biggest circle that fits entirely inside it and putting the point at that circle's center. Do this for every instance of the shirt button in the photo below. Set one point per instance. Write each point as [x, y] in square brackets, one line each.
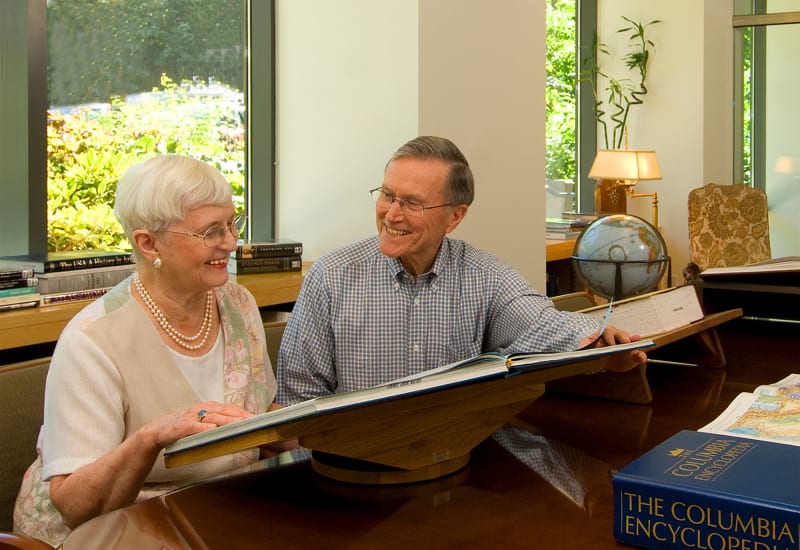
[416, 347]
[416, 301]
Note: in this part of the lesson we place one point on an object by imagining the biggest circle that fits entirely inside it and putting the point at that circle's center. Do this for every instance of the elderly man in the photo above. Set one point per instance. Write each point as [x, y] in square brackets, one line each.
[412, 298]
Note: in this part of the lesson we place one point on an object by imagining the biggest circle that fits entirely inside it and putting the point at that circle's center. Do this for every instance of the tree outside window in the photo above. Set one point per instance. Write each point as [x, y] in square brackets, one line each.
[129, 79]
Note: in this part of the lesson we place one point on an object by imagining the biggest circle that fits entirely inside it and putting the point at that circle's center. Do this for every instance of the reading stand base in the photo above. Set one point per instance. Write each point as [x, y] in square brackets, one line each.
[361, 472]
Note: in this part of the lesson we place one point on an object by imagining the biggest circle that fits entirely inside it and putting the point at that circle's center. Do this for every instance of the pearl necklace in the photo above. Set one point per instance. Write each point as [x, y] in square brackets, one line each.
[176, 336]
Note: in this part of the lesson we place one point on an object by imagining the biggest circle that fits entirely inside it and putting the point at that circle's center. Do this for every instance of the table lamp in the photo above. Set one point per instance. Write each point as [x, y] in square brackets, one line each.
[618, 171]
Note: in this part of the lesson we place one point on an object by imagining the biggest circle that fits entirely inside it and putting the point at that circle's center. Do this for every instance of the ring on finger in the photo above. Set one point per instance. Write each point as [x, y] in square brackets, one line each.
[201, 414]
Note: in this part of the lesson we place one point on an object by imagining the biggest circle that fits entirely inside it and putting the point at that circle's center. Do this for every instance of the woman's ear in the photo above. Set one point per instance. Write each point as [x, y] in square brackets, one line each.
[145, 243]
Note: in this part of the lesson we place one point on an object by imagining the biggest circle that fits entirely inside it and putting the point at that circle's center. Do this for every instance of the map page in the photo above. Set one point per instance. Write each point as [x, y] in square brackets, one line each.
[770, 413]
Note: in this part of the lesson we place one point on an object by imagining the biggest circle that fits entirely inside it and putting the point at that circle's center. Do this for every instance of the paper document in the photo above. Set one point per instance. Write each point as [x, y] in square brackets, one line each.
[771, 413]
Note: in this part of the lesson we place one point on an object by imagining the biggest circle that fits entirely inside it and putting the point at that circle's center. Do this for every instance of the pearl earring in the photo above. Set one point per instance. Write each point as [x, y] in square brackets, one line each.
[157, 263]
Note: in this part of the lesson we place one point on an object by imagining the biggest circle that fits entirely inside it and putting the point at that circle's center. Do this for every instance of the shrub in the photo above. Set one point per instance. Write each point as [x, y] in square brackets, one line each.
[90, 148]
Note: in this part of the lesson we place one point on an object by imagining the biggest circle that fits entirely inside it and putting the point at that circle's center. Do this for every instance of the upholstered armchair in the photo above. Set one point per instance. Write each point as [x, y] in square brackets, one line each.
[728, 226]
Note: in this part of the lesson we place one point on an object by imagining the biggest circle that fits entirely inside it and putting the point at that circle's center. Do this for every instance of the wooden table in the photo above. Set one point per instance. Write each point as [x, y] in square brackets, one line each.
[560, 274]
[24, 327]
[551, 490]
[558, 249]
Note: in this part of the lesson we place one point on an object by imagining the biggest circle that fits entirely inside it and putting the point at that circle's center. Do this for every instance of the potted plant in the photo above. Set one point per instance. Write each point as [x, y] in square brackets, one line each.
[612, 109]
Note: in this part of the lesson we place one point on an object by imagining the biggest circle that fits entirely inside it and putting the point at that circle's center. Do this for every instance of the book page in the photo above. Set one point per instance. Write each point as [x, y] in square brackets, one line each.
[521, 362]
[473, 369]
[775, 265]
[770, 413]
[654, 313]
[240, 427]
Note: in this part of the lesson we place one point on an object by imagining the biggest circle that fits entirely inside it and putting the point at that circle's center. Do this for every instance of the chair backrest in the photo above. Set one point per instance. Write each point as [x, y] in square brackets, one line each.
[21, 413]
[273, 330]
[728, 226]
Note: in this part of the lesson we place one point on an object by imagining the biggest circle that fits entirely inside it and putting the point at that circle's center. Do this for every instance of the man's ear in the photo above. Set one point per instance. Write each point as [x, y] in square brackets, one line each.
[457, 214]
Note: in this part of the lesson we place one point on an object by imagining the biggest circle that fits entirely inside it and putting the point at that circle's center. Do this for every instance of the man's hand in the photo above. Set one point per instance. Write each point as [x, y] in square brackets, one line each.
[619, 362]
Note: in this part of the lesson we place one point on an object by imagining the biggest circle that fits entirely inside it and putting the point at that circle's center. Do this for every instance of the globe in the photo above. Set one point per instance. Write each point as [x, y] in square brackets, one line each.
[619, 256]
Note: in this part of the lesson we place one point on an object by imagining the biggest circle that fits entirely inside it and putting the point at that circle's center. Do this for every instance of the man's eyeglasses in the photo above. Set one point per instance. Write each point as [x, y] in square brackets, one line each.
[408, 206]
[216, 234]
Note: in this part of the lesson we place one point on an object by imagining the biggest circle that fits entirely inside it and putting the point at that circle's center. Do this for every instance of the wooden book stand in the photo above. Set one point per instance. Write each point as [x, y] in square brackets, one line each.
[408, 439]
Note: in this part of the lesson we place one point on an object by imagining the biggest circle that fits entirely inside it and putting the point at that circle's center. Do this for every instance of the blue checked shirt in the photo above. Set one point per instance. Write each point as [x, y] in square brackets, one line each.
[361, 319]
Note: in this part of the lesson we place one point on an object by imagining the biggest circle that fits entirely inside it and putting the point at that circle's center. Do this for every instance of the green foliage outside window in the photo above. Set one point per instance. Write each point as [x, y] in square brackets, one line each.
[560, 99]
[101, 48]
[100, 51]
[88, 151]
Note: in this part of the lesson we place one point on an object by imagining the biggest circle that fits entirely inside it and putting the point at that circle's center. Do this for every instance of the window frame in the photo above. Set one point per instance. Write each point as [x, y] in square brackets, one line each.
[26, 229]
[586, 132]
[759, 21]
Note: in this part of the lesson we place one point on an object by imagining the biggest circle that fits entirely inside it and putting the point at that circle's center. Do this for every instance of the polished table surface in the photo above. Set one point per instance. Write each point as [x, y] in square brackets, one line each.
[549, 488]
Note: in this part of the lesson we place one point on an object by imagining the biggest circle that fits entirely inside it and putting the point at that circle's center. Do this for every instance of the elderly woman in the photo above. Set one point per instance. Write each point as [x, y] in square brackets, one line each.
[173, 350]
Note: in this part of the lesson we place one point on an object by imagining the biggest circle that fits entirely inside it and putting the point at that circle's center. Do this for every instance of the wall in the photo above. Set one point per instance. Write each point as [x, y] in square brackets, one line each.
[482, 84]
[358, 78]
[347, 97]
[687, 116]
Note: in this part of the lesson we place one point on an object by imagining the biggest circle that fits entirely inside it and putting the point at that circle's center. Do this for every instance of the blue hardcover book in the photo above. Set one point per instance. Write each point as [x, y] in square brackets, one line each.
[708, 491]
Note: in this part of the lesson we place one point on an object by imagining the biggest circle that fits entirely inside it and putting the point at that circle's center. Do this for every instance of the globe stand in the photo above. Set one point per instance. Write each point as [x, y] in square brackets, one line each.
[618, 282]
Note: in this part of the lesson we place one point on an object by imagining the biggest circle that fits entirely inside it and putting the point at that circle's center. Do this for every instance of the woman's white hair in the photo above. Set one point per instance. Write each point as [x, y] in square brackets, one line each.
[161, 190]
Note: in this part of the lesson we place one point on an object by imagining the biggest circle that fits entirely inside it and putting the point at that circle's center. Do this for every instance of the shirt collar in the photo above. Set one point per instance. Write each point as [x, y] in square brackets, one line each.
[439, 263]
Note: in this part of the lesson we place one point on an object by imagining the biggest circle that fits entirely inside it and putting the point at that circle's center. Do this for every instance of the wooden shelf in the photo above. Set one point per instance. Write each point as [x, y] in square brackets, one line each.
[39, 325]
[559, 249]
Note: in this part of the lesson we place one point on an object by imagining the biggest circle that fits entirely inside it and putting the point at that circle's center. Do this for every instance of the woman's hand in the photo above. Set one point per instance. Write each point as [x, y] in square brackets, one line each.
[198, 418]
[115, 479]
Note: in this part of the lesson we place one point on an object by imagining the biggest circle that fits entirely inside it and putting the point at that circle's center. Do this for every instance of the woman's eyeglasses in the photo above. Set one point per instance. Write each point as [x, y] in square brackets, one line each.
[216, 234]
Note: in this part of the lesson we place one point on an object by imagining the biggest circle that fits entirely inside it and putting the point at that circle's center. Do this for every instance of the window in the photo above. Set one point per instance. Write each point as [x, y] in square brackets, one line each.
[571, 126]
[766, 151]
[123, 80]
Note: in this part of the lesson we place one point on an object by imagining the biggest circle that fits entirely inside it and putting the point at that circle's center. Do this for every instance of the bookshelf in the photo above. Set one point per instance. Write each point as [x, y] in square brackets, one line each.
[39, 325]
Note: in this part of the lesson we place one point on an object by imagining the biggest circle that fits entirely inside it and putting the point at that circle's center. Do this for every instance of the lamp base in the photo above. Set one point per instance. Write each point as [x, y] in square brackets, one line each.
[610, 197]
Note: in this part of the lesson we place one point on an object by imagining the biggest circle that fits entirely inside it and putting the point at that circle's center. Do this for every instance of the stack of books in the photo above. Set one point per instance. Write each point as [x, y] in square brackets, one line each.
[273, 256]
[72, 275]
[18, 288]
[565, 228]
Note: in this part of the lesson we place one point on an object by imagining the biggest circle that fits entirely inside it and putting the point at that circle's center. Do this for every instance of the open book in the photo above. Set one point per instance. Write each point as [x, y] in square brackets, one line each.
[771, 413]
[774, 271]
[475, 369]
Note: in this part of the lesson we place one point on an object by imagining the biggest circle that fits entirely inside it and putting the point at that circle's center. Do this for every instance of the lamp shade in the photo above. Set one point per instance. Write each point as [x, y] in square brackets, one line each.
[624, 164]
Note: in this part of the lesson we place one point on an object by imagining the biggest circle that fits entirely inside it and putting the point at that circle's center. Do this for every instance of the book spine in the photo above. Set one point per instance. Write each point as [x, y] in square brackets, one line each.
[19, 266]
[76, 296]
[16, 283]
[656, 516]
[23, 298]
[14, 274]
[77, 280]
[86, 263]
[18, 291]
[561, 236]
[249, 251]
[19, 305]
[265, 265]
